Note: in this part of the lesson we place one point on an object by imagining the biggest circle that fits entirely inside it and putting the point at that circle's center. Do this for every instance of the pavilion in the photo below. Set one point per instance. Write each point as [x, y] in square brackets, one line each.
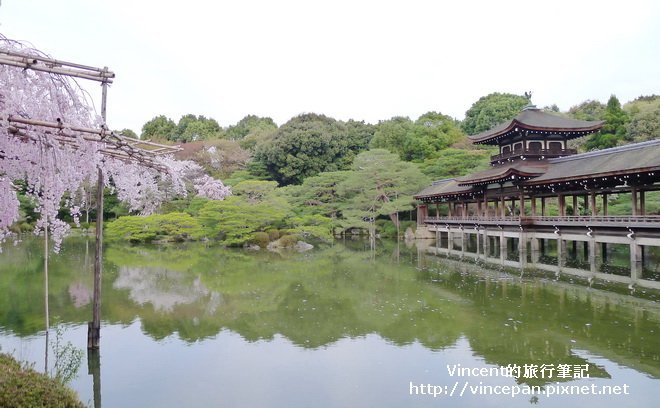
[536, 184]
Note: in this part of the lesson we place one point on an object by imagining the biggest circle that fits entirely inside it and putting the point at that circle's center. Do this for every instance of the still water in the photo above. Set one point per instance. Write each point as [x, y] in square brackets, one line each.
[338, 326]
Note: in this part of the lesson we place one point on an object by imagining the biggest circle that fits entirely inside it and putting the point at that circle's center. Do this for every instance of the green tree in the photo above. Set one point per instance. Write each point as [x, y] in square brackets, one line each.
[455, 162]
[192, 128]
[317, 195]
[491, 110]
[644, 113]
[432, 133]
[588, 110]
[235, 220]
[392, 134]
[128, 133]
[159, 128]
[380, 184]
[306, 146]
[614, 129]
[222, 157]
[251, 131]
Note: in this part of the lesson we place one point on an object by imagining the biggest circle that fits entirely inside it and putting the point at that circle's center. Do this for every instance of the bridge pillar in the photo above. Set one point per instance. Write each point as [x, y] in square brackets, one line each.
[486, 243]
[635, 261]
[536, 253]
[502, 247]
[477, 236]
[522, 249]
[595, 259]
[561, 253]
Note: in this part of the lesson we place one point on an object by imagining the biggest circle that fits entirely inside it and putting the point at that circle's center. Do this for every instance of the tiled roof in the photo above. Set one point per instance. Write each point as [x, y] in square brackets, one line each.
[504, 172]
[537, 120]
[622, 160]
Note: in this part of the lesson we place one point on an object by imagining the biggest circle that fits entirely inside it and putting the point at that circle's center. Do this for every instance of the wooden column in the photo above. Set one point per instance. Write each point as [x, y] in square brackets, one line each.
[485, 203]
[642, 205]
[513, 207]
[575, 205]
[633, 194]
[605, 204]
[422, 213]
[502, 201]
[522, 204]
[542, 206]
[562, 205]
[586, 203]
[533, 200]
[592, 203]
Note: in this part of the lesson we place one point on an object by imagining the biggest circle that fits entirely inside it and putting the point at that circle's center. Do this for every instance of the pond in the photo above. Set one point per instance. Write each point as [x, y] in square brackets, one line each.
[338, 326]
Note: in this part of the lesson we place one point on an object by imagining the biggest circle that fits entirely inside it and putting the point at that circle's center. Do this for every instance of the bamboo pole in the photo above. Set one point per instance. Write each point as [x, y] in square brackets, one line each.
[46, 293]
[94, 327]
[49, 65]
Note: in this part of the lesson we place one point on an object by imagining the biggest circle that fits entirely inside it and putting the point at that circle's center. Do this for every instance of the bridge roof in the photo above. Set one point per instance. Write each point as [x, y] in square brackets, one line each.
[539, 122]
[618, 161]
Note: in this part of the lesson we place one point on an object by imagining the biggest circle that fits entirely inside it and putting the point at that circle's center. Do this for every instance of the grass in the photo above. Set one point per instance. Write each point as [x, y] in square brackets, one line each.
[21, 386]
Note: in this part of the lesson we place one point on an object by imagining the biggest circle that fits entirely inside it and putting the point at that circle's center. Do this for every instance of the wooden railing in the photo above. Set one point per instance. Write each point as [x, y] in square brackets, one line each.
[531, 153]
[593, 220]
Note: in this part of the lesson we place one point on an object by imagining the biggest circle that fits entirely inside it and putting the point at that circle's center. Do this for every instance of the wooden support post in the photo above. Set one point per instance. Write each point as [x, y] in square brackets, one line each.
[422, 213]
[633, 194]
[575, 205]
[562, 205]
[542, 206]
[522, 204]
[642, 204]
[605, 204]
[586, 204]
[592, 204]
[94, 327]
[502, 201]
[485, 204]
[533, 202]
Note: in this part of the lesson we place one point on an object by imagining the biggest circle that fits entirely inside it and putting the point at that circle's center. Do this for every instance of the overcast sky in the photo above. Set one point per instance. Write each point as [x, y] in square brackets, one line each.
[349, 59]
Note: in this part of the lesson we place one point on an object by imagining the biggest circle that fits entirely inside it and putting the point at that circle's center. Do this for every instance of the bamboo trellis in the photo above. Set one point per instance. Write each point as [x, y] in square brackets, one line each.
[112, 145]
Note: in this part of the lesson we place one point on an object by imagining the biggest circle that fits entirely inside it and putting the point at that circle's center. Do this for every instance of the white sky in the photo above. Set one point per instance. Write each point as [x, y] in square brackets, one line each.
[360, 59]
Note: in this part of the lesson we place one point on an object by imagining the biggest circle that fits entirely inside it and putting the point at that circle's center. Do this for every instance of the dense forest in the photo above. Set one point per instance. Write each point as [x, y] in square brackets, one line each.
[315, 176]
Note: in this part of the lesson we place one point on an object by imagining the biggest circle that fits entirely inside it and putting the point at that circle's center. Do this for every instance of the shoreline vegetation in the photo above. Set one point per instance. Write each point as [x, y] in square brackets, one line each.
[21, 386]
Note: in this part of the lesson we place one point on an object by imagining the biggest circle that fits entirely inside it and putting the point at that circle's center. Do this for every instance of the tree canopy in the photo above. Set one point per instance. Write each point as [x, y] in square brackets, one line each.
[491, 110]
[308, 145]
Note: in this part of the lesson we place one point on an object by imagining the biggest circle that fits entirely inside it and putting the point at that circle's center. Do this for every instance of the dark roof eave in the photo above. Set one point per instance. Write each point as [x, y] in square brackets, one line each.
[486, 137]
[592, 176]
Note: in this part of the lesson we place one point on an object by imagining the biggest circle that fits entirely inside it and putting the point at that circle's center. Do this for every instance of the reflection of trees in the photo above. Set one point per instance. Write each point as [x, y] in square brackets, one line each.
[162, 288]
[319, 297]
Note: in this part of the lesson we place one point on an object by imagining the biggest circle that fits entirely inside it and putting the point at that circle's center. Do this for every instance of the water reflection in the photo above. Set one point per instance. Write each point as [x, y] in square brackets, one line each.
[317, 299]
